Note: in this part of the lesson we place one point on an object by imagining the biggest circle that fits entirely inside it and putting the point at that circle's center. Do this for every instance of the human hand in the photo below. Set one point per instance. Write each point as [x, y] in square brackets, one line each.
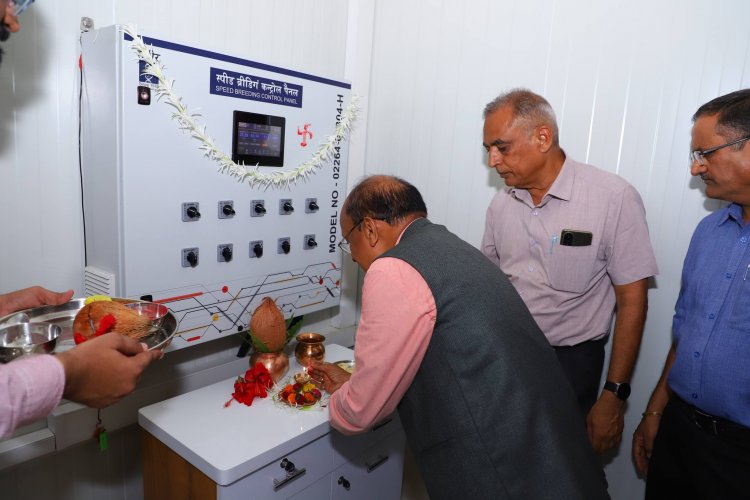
[605, 422]
[643, 442]
[103, 370]
[34, 296]
[10, 20]
[333, 376]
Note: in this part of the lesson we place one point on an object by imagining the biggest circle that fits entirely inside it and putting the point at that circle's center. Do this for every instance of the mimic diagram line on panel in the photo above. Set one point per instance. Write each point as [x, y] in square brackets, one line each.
[294, 299]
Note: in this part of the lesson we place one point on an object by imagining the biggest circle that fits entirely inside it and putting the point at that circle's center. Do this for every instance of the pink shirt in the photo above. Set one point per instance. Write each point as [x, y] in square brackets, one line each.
[395, 327]
[30, 388]
[568, 289]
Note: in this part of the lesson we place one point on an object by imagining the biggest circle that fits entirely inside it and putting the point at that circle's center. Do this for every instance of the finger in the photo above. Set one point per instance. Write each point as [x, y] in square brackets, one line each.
[64, 297]
[126, 345]
[143, 359]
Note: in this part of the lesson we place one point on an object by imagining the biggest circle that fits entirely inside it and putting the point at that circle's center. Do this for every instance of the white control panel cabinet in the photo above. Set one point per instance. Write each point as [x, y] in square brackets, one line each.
[163, 223]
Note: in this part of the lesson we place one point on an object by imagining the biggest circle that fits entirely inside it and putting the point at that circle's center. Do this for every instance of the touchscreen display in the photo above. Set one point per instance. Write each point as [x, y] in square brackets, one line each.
[258, 139]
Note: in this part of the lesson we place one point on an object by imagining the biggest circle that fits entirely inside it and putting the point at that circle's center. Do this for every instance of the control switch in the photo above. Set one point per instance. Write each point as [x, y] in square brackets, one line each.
[309, 242]
[257, 208]
[190, 212]
[285, 207]
[226, 209]
[311, 205]
[190, 257]
[224, 253]
[256, 249]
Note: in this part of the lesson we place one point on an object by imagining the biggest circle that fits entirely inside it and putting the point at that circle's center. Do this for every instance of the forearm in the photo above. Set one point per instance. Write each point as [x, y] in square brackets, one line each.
[632, 305]
[398, 316]
[30, 388]
[661, 394]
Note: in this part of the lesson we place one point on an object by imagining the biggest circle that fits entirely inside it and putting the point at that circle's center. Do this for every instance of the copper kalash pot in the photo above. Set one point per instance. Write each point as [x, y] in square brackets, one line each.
[277, 363]
[309, 346]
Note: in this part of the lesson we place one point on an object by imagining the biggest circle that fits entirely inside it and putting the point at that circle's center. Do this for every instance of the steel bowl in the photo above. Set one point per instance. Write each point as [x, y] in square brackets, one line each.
[27, 338]
[156, 312]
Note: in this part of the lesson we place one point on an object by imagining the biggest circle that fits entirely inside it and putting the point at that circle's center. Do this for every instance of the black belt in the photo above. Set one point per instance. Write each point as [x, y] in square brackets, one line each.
[716, 426]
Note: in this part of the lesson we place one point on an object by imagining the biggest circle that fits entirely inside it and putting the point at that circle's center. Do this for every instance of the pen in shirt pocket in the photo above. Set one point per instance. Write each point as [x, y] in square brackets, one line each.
[747, 269]
[554, 240]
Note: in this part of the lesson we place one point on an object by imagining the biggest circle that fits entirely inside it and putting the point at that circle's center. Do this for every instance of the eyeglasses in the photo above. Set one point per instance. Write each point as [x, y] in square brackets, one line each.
[344, 243]
[699, 156]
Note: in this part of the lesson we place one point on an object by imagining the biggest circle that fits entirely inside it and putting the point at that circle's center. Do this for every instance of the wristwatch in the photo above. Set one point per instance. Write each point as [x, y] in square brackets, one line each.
[622, 390]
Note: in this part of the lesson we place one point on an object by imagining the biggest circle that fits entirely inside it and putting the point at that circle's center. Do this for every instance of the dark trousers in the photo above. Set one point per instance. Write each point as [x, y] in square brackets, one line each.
[696, 456]
[583, 364]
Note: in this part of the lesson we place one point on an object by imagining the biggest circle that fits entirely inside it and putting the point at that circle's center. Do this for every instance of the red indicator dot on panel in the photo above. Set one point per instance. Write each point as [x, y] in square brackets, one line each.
[338, 282]
[224, 289]
[321, 281]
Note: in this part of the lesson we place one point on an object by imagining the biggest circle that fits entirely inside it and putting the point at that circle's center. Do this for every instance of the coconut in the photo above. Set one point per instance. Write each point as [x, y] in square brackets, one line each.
[267, 326]
[127, 321]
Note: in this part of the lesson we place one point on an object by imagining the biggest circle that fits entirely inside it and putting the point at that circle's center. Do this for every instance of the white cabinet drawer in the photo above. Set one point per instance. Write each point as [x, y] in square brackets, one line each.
[311, 462]
[347, 448]
[374, 475]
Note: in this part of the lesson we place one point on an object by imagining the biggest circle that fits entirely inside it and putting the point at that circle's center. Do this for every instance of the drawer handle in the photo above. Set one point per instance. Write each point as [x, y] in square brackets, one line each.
[382, 424]
[380, 461]
[344, 482]
[292, 473]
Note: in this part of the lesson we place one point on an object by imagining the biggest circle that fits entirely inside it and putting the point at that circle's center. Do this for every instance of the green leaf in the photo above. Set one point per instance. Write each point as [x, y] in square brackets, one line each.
[257, 343]
[293, 326]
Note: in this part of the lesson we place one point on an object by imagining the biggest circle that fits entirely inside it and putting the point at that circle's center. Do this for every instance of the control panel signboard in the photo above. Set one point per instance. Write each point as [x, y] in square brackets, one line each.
[163, 221]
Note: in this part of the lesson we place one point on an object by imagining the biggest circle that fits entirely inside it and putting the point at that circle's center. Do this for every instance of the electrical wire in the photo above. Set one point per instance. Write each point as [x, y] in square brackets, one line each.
[80, 146]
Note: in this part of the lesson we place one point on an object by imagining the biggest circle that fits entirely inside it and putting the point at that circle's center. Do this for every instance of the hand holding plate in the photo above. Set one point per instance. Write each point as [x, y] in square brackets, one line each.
[333, 376]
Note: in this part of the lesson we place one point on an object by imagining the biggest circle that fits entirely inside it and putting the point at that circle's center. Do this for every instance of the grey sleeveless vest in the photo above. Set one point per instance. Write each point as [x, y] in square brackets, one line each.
[490, 413]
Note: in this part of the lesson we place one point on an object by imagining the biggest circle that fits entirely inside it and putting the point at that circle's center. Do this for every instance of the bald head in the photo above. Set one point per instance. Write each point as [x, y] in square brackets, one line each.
[385, 198]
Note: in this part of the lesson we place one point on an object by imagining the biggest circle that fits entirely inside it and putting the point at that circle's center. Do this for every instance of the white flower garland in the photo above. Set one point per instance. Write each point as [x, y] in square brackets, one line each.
[188, 122]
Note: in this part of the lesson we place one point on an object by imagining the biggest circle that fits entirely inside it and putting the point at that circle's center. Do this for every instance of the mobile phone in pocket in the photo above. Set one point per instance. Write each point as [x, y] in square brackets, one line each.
[573, 238]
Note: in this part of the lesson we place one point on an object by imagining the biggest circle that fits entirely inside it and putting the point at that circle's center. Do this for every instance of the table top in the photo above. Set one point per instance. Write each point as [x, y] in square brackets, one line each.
[228, 443]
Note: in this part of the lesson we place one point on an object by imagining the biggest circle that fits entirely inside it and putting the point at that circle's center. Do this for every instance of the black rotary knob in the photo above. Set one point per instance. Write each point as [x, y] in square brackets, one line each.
[285, 247]
[228, 210]
[193, 213]
[226, 252]
[259, 208]
[288, 206]
[344, 482]
[311, 242]
[313, 206]
[287, 465]
[192, 259]
[258, 250]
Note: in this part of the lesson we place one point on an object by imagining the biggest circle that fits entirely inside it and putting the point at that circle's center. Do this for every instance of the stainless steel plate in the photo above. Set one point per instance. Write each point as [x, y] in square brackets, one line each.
[347, 365]
[64, 314]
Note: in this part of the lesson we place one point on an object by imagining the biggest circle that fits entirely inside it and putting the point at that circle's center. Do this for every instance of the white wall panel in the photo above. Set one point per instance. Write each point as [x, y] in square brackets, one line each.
[624, 78]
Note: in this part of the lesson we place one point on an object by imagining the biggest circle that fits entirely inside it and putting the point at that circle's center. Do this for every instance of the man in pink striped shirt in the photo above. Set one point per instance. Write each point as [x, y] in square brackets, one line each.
[444, 337]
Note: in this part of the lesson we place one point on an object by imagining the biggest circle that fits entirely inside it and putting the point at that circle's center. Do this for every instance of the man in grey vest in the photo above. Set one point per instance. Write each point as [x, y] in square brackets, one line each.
[444, 337]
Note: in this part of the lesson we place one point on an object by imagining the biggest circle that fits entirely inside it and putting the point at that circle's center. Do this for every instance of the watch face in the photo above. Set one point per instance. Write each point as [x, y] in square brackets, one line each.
[623, 391]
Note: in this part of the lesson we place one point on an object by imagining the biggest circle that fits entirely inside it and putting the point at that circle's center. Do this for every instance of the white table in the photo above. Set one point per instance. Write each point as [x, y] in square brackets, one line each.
[241, 451]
